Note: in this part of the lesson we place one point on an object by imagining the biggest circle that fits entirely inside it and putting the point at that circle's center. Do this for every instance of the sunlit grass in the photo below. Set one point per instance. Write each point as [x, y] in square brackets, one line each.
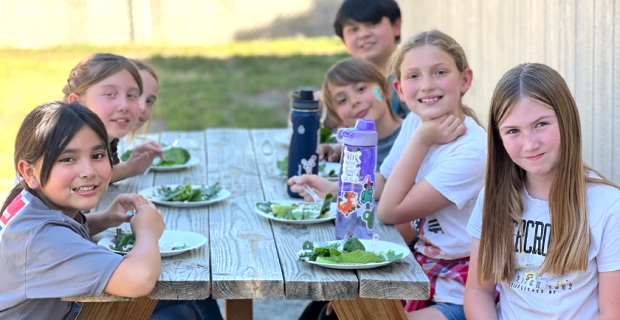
[241, 84]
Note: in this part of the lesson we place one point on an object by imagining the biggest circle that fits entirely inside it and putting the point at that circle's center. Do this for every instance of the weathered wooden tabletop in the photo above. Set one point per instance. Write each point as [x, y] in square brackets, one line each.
[247, 256]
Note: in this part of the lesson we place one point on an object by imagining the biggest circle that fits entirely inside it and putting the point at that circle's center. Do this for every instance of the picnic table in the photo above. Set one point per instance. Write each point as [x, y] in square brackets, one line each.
[247, 256]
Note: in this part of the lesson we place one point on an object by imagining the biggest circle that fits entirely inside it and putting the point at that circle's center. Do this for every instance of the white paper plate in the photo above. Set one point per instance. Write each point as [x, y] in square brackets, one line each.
[282, 138]
[191, 162]
[151, 194]
[331, 215]
[168, 238]
[380, 246]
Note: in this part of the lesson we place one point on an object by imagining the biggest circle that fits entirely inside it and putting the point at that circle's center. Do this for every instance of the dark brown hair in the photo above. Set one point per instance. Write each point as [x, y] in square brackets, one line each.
[44, 134]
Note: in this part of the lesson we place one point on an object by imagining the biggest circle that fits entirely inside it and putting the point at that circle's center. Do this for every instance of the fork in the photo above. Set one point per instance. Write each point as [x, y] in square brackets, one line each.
[309, 191]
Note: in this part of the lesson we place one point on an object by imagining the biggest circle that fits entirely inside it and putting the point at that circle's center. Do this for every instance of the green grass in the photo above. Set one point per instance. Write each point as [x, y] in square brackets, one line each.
[242, 84]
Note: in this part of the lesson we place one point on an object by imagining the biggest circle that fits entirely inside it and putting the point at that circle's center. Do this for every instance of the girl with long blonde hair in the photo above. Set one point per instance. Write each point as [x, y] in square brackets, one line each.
[545, 228]
[435, 168]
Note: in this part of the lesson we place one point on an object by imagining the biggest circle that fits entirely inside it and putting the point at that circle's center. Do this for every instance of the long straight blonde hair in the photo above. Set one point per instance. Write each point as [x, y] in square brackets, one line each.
[504, 183]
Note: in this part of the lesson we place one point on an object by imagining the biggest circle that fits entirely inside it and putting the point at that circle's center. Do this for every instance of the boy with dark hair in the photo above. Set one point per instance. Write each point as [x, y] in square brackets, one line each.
[370, 30]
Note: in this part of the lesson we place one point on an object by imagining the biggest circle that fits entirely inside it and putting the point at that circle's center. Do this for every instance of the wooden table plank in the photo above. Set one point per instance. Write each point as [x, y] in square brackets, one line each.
[185, 276]
[244, 260]
[404, 279]
[302, 280]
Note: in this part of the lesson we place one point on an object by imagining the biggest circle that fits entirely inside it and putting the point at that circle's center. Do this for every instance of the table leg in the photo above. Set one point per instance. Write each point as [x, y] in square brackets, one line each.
[238, 309]
[140, 309]
[369, 309]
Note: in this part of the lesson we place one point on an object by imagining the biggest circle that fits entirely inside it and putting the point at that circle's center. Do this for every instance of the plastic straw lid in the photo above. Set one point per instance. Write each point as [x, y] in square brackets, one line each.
[363, 135]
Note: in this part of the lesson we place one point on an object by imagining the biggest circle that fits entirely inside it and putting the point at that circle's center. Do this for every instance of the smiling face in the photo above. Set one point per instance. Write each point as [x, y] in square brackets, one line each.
[115, 101]
[531, 136]
[374, 42]
[148, 97]
[80, 175]
[431, 84]
[359, 100]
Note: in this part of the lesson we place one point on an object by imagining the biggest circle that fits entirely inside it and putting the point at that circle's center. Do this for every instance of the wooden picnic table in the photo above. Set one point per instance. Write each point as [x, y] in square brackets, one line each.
[247, 256]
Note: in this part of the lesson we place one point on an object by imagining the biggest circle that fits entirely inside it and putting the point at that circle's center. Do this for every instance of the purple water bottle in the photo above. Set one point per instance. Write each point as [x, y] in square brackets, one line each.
[356, 183]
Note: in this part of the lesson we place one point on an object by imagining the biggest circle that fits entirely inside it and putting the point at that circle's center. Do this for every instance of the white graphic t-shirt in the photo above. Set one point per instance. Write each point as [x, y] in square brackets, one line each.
[456, 170]
[530, 295]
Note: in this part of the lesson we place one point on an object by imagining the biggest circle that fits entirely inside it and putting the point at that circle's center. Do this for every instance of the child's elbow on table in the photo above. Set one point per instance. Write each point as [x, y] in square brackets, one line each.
[130, 281]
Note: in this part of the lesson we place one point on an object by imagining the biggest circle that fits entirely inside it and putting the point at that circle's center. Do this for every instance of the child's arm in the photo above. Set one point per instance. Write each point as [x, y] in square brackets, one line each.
[115, 214]
[141, 158]
[137, 274]
[608, 292]
[403, 200]
[479, 300]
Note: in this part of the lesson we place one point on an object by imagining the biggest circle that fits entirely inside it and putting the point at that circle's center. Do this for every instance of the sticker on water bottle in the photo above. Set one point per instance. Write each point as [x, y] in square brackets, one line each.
[307, 165]
[301, 129]
[351, 166]
[347, 203]
[367, 193]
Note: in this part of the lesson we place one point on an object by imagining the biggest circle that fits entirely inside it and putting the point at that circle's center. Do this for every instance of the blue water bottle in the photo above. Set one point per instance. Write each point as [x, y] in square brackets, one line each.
[356, 182]
[303, 152]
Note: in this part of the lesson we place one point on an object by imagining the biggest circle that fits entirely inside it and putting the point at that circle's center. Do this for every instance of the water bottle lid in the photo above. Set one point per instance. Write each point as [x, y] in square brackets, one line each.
[304, 100]
[363, 135]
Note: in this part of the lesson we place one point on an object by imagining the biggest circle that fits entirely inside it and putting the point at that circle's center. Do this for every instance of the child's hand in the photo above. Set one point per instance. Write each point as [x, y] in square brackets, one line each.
[117, 211]
[151, 147]
[444, 129]
[326, 152]
[142, 157]
[147, 220]
[320, 185]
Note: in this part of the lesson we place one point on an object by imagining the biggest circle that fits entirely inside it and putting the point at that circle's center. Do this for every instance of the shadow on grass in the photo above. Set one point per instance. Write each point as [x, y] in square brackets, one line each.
[244, 92]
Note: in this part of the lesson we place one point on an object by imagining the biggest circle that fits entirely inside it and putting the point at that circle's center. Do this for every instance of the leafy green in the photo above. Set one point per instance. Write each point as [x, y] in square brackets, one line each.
[349, 251]
[353, 244]
[187, 193]
[283, 166]
[172, 157]
[123, 241]
[326, 136]
[297, 211]
[125, 156]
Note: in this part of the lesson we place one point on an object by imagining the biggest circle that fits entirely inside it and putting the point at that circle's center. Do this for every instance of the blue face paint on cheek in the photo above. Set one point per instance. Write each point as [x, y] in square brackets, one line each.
[377, 92]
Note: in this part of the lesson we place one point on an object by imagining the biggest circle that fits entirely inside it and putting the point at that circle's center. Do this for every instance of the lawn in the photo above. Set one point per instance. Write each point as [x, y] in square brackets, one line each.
[242, 84]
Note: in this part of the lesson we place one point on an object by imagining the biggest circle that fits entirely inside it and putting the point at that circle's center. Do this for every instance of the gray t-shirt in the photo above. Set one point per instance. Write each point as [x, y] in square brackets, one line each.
[45, 256]
[384, 146]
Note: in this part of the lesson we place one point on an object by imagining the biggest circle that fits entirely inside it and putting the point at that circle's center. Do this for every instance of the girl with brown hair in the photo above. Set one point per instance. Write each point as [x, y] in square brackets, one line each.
[545, 228]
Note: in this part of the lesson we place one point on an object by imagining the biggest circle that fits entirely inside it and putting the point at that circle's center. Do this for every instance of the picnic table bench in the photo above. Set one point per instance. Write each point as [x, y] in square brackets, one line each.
[247, 256]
